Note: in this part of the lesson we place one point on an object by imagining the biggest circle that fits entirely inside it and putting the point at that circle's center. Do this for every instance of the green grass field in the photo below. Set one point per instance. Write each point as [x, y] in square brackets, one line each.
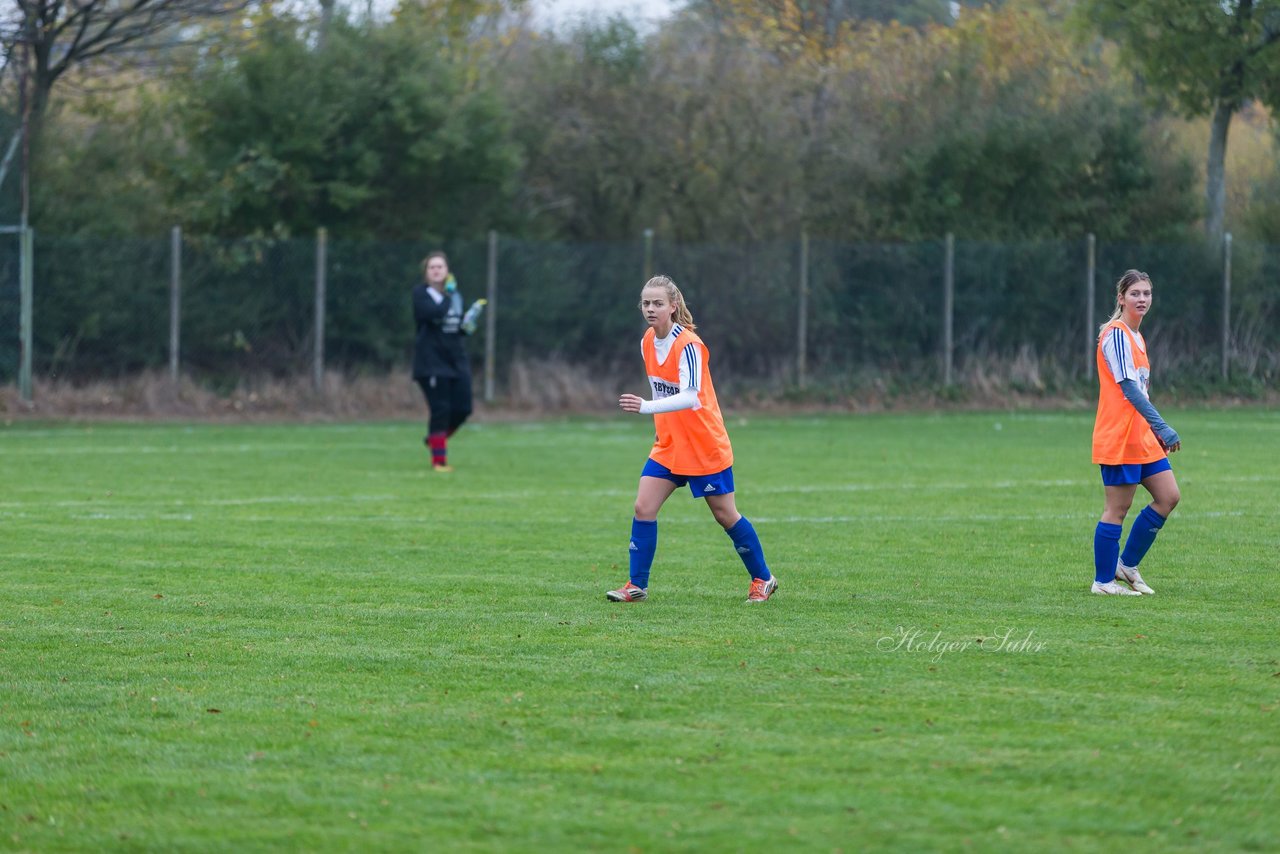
[299, 638]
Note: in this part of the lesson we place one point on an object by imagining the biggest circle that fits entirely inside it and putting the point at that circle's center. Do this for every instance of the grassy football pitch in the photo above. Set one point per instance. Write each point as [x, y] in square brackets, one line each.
[300, 638]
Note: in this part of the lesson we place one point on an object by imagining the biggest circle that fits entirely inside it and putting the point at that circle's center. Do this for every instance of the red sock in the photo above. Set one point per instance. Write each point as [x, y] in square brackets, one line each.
[436, 442]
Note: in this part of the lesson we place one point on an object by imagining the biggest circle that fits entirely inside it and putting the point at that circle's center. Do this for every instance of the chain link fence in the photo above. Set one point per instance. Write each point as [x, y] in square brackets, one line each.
[778, 313]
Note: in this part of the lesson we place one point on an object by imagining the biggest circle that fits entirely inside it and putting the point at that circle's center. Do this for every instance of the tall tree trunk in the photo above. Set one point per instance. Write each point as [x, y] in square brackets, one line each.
[1215, 189]
[326, 22]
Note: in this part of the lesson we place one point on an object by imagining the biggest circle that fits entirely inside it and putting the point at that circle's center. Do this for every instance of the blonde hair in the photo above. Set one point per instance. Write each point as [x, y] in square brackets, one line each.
[682, 315]
[1128, 280]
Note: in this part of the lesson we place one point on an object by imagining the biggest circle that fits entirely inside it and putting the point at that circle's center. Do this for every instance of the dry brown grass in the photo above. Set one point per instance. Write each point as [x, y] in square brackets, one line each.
[993, 377]
[154, 395]
[532, 389]
[559, 386]
[545, 388]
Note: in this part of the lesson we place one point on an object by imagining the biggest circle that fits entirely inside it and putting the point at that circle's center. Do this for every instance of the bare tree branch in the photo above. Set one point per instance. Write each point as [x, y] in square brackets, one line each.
[64, 34]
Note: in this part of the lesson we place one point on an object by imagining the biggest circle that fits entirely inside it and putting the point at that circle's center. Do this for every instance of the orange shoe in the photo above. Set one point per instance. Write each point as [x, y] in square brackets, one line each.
[628, 593]
[761, 589]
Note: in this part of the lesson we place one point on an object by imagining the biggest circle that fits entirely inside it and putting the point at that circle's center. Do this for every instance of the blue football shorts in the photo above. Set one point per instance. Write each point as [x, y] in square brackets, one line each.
[701, 485]
[1133, 472]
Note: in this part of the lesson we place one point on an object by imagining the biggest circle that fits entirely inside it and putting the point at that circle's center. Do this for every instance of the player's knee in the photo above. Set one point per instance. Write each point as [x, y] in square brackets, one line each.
[726, 516]
[645, 512]
[1114, 515]
[1118, 509]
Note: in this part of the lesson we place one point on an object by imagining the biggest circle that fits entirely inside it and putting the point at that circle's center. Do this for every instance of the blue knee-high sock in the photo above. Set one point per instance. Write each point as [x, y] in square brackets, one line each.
[748, 546]
[1141, 536]
[644, 543]
[1106, 548]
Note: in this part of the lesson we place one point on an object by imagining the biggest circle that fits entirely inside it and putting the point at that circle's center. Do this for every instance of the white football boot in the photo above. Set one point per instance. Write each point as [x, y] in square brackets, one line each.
[1130, 576]
[1112, 588]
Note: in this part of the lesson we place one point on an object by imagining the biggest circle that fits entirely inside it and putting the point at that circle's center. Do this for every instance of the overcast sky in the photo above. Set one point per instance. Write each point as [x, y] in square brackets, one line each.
[642, 11]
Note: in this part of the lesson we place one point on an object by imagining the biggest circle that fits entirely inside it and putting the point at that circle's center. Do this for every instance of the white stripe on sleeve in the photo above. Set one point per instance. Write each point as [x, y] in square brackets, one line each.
[1119, 356]
[690, 367]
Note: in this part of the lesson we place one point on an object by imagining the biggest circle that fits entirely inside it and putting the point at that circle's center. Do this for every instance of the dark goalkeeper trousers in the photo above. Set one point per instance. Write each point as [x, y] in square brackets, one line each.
[449, 399]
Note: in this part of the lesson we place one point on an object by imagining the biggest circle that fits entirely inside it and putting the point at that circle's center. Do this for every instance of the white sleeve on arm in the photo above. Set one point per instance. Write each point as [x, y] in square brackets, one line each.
[1118, 355]
[686, 399]
[690, 375]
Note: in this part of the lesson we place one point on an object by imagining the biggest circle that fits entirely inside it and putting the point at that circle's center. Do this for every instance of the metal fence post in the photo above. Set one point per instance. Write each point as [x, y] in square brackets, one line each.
[948, 307]
[26, 255]
[490, 321]
[1090, 300]
[1226, 306]
[802, 330]
[648, 254]
[317, 365]
[175, 299]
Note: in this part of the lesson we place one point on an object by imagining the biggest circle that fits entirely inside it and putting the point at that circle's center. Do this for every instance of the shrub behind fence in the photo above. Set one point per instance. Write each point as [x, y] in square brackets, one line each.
[247, 307]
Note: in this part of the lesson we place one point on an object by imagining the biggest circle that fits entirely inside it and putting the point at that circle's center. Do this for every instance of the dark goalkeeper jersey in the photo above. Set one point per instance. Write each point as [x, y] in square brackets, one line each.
[438, 349]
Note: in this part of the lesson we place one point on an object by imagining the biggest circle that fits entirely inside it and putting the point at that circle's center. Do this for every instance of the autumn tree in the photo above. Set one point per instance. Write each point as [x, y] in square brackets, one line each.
[377, 132]
[1209, 57]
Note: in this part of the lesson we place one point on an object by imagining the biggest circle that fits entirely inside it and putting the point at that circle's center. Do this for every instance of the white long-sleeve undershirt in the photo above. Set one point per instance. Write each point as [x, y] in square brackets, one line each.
[686, 399]
[690, 369]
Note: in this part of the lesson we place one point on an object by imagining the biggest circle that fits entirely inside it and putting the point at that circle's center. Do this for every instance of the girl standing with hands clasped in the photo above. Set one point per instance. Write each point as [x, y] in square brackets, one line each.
[692, 446]
[1131, 444]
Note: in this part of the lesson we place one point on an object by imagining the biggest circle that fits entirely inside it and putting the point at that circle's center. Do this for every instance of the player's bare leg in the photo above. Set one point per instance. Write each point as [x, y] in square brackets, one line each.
[652, 493]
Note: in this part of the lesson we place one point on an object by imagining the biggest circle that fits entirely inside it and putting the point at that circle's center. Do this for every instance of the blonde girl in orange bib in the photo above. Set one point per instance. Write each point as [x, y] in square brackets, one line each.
[692, 446]
[1131, 444]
